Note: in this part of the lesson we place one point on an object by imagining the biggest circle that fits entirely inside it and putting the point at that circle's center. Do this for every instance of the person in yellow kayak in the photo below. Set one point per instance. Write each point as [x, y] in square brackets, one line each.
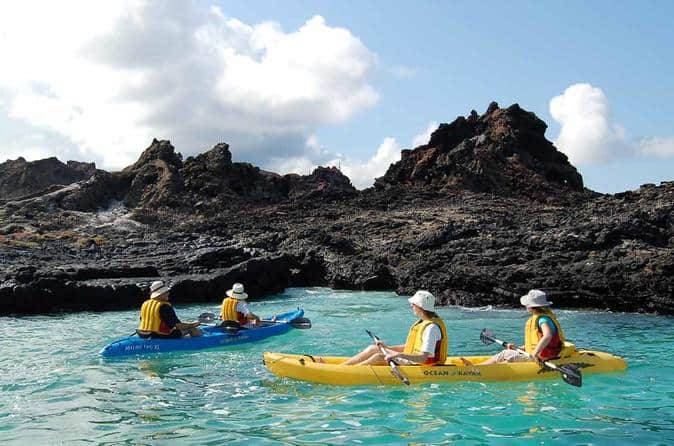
[426, 342]
[235, 308]
[543, 336]
[158, 318]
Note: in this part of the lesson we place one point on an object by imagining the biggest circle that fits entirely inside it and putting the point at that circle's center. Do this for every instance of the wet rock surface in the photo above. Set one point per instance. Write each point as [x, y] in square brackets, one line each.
[485, 211]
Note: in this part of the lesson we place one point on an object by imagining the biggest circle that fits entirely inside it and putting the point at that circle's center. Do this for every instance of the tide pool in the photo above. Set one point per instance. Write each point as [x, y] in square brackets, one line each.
[54, 388]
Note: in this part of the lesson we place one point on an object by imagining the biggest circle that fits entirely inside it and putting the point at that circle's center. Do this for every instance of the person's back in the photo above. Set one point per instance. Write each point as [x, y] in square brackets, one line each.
[235, 308]
[231, 311]
[542, 317]
[158, 318]
[150, 318]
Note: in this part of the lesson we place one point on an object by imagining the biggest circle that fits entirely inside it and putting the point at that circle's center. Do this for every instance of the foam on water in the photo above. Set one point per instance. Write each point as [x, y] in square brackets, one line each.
[54, 387]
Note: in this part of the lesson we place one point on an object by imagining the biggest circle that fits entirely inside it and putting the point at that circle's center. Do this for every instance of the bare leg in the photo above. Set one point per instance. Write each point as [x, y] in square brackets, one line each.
[506, 356]
[193, 332]
[362, 356]
[376, 359]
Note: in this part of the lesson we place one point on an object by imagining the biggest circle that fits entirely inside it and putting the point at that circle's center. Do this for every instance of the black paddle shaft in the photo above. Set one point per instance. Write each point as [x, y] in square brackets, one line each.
[394, 366]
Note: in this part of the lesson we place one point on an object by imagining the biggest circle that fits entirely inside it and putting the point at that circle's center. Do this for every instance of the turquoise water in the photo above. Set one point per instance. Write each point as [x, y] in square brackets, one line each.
[55, 389]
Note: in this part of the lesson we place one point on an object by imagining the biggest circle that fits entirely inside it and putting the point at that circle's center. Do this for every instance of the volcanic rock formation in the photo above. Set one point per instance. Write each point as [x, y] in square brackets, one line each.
[483, 212]
[503, 151]
[20, 178]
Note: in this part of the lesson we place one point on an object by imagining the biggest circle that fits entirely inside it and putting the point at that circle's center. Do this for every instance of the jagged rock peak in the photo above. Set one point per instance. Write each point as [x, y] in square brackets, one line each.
[20, 178]
[323, 181]
[219, 155]
[331, 175]
[158, 150]
[503, 151]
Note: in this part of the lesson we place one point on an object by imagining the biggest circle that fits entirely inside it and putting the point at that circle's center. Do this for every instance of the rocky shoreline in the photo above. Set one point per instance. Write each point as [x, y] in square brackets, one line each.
[484, 211]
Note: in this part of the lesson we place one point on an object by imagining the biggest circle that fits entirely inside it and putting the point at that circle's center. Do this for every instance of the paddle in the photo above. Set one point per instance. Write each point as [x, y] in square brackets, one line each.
[394, 365]
[301, 323]
[570, 372]
[206, 318]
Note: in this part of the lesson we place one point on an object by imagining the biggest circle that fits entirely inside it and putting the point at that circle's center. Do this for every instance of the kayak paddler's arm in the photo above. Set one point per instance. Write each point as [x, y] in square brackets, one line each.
[254, 318]
[187, 325]
[544, 341]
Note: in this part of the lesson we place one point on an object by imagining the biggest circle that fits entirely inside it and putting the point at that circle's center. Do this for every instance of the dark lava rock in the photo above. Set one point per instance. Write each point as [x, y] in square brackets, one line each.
[485, 211]
[503, 151]
[20, 178]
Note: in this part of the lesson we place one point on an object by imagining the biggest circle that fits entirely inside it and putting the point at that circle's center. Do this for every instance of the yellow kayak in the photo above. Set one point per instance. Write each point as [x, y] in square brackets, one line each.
[329, 371]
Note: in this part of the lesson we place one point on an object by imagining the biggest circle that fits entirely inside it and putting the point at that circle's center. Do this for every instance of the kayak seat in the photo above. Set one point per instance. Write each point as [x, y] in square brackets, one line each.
[232, 326]
[175, 334]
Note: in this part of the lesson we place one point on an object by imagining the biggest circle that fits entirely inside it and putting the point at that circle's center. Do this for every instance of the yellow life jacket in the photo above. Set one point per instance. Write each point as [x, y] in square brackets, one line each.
[558, 346]
[228, 311]
[150, 321]
[414, 341]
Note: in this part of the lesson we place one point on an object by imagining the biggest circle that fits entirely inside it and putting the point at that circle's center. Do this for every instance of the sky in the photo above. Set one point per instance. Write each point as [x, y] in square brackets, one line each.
[295, 84]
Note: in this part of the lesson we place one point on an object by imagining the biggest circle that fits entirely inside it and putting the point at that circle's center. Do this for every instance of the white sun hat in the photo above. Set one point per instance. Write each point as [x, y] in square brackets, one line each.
[237, 292]
[157, 289]
[535, 298]
[423, 299]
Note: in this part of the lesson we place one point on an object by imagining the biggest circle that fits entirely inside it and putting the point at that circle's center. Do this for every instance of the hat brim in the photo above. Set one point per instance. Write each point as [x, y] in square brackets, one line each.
[159, 292]
[240, 296]
[524, 303]
[412, 301]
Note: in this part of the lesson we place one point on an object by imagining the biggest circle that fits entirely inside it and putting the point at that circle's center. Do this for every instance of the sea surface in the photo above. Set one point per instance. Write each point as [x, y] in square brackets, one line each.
[55, 389]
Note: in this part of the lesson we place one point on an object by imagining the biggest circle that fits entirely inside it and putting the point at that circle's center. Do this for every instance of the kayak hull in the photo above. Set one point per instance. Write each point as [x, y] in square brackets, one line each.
[212, 337]
[307, 368]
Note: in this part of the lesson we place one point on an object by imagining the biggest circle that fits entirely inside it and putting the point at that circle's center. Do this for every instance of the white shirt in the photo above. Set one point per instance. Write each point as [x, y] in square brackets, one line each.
[429, 339]
[242, 307]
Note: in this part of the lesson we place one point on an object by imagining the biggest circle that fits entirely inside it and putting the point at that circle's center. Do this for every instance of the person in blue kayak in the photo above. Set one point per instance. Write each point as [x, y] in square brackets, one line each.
[235, 308]
[158, 318]
[426, 342]
[543, 336]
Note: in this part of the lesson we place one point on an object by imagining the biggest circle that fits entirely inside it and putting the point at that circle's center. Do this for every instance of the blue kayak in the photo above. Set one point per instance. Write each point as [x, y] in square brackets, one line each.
[213, 336]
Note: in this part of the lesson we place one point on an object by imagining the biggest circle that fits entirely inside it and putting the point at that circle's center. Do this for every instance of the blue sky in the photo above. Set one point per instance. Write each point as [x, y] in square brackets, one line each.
[404, 66]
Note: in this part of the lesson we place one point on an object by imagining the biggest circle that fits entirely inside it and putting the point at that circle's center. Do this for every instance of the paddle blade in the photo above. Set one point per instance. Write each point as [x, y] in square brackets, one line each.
[571, 374]
[301, 323]
[487, 336]
[397, 374]
[372, 335]
[206, 318]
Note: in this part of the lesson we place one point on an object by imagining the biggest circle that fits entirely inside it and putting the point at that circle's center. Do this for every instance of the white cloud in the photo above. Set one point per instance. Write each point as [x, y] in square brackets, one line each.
[363, 173]
[425, 136]
[587, 135]
[656, 147]
[108, 77]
